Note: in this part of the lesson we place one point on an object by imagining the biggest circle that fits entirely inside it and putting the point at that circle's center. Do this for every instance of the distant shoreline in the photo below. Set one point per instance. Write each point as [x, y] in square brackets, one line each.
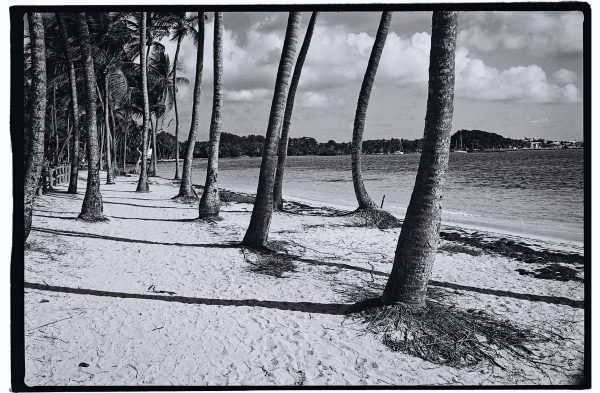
[394, 154]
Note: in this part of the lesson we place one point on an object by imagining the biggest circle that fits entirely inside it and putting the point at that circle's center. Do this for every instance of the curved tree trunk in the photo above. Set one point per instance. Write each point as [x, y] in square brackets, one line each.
[91, 209]
[209, 203]
[74, 105]
[287, 117]
[143, 180]
[419, 237]
[37, 120]
[177, 175]
[258, 230]
[185, 190]
[110, 177]
[364, 201]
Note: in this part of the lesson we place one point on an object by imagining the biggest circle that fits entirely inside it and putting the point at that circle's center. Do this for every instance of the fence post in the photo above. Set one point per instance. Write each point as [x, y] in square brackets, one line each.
[45, 184]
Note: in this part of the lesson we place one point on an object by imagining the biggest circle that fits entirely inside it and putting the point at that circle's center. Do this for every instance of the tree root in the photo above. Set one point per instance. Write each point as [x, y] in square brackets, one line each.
[375, 218]
[185, 199]
[446, 335]
[269, 262]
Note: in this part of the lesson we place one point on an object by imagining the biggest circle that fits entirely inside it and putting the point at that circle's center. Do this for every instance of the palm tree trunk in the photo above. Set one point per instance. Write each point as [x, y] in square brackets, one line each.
[54, 122]
[113, 141]
[154, 151]
[419, 237]
[91, 209]
[185, 190]
[101, 141]
[37, 119]
[364, 201]
[287, 117]
[177, 175]
[110, 178]
[209, 203]
[143, 181]
[258, 230]
[68, 142]
[125, 129]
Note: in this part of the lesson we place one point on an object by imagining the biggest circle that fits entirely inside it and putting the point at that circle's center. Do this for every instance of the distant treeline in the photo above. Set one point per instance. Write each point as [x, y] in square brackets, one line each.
[232, 145]
[237, 146]
[474, 140]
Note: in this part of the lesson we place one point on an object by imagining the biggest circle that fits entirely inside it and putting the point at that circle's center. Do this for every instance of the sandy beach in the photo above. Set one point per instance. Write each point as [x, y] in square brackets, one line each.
[156, 297]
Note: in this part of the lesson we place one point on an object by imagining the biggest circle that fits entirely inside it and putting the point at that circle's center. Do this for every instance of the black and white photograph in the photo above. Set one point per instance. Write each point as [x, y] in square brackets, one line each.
[300, 195]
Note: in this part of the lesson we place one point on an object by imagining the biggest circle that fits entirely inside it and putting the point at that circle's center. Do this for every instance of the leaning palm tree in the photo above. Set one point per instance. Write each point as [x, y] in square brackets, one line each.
[258, 230]
[287, 117]
[209, 203]
[364, 201]
[37, 116]
[419, 237]
[91, 209]
[183, 26]
[74, 104]
[143, 181]
[185, 190]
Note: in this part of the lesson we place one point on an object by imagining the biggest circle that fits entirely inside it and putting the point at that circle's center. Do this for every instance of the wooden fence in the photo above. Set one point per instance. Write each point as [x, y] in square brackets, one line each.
[54, 176]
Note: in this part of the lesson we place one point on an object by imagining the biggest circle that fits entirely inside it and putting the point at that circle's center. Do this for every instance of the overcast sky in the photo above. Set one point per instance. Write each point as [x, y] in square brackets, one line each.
[519, 74]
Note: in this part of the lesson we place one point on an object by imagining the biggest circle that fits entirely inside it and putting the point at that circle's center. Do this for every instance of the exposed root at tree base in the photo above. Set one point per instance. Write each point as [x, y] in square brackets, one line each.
[214, 218]
[185, 199]
[91, 218]
[269, 261]
[375, 218]
[445, 335]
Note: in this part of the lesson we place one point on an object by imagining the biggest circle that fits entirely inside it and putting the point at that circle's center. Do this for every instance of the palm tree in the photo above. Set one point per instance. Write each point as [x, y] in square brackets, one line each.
[143, 181]
[364, 201]
[183, 27]
[419, 237]
[74, 105]
[110, 176]
[209, 203]
[91, 209]
[287, 117]
[158, 27]
[37, 117]
[185, 190]
[258, 230]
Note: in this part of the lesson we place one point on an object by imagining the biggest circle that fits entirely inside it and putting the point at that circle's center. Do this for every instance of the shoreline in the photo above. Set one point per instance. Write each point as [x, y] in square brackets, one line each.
[495, 231]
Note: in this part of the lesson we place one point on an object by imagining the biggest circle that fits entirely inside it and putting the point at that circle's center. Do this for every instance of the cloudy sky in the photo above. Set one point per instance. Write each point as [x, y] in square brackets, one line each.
[519, 74]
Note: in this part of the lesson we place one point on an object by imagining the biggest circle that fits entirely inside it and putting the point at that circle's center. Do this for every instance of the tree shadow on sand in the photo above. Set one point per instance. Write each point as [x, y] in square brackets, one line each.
[140, 241]
[309, 307]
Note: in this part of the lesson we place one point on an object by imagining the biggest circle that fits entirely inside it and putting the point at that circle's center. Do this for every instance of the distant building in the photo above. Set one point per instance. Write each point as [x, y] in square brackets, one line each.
[535, 145]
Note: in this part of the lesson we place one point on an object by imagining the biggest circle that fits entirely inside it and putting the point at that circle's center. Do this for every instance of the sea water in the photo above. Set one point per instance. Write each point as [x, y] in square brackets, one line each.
[537, 193]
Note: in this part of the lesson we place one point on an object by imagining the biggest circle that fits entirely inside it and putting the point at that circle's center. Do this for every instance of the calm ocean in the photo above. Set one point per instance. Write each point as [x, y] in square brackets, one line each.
[532, 193]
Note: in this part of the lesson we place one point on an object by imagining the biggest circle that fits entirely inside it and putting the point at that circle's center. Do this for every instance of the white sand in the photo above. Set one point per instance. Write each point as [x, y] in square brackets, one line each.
[291, 332]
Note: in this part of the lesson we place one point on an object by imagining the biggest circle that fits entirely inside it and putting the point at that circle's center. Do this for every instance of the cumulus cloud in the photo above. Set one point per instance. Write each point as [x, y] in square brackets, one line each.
[314, 99]
[246, 95]
[540, 33]
[565, 76]
[338, 56]
[476, 80]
